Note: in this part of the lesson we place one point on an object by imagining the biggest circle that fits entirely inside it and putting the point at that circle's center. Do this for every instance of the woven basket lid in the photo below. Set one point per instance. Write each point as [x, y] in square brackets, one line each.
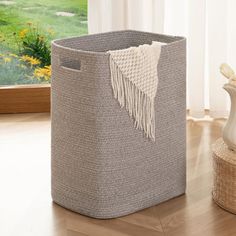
[223, 152]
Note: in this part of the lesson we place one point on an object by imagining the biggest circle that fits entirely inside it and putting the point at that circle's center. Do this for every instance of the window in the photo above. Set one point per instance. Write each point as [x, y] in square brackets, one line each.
[26, 29]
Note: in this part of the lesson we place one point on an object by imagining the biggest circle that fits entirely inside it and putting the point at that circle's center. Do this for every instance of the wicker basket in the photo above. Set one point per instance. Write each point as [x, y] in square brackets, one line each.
[224, 187]
[101, 165]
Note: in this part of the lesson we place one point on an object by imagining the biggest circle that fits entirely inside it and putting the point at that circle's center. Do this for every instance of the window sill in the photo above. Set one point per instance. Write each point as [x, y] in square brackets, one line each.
[25, 98]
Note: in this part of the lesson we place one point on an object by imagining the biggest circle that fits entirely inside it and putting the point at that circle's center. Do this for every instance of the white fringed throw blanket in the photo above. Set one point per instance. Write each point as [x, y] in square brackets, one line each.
[134, 81]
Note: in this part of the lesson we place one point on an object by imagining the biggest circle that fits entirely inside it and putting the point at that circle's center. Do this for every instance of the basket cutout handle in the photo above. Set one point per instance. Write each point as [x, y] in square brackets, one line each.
[70, 64]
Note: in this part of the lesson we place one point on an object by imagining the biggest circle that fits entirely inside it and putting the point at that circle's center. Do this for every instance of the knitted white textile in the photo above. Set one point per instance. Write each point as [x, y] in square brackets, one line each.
[134, 80]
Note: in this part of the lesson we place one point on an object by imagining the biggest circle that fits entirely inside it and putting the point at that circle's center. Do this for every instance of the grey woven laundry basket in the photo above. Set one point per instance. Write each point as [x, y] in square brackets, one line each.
[101, 165]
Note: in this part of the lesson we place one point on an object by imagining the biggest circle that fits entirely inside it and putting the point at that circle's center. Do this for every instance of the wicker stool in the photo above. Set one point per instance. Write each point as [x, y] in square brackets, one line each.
[224, 186]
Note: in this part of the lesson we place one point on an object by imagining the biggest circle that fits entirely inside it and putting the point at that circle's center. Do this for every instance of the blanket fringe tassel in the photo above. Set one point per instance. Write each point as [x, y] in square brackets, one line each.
[138, 104]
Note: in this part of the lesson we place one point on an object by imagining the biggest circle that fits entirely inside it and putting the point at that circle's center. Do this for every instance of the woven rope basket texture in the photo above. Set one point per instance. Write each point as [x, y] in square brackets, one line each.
[224, 184]
[101, 165]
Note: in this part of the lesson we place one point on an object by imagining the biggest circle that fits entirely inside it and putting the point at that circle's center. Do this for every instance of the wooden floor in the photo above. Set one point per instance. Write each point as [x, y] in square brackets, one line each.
[26, 208]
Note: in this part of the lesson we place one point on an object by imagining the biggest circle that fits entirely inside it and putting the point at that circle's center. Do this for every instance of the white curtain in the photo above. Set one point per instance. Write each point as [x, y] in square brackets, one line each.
[210, 28]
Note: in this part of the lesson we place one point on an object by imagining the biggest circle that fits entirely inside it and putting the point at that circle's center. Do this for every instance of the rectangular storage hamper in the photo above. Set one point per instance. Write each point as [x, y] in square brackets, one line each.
[101, 165]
